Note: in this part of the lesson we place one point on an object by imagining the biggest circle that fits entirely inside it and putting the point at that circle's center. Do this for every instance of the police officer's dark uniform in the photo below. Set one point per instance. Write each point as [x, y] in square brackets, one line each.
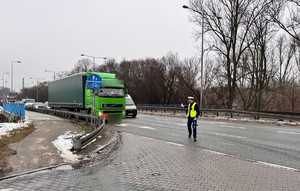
[193, 114]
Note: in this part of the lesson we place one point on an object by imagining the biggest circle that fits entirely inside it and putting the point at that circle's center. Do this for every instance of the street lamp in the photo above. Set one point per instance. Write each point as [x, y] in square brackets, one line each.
[3, 78]
[202, 43]
[53, 73]
[94, 57]
[37, 86]
[12, 73]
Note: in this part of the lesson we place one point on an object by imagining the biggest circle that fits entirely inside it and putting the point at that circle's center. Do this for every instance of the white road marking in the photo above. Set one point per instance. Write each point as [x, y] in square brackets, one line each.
[121, 125]
[214, 122]
[179, 145]
[214, 152]
[287, 132]
[276, 166]
[226, 135]
[147, 138]
[132, 125]
[233, 127]
[153, 124]
[145, 127]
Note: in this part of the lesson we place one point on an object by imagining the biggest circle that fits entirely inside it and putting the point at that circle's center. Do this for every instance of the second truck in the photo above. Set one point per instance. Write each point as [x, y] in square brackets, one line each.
[73, 93]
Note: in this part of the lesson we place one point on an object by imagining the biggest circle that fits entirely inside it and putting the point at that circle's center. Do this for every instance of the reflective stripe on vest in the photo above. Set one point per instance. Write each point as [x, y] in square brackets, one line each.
[193, 112]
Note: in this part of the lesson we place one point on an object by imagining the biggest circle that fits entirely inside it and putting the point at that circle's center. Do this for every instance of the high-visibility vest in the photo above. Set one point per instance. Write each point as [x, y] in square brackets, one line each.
[192, 113]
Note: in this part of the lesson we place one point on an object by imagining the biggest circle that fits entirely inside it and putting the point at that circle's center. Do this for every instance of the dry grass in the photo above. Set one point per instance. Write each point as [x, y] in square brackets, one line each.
[13, 137]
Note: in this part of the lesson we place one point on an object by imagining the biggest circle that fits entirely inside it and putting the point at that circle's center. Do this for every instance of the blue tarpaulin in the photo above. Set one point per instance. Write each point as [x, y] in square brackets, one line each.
[15, 108]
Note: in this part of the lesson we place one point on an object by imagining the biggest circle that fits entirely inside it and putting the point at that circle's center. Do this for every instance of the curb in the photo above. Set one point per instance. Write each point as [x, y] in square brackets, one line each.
[33, 171]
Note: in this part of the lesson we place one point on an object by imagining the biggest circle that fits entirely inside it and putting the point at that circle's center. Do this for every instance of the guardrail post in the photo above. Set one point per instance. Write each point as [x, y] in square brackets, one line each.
[231, 115]
[217, 114]
[77, 143]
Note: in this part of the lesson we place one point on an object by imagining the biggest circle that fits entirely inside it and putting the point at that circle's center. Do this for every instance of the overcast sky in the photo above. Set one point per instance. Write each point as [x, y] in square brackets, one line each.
[51, 34]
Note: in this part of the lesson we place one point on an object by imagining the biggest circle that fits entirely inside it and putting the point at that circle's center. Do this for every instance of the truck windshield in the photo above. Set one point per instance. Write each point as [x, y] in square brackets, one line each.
[111, 92]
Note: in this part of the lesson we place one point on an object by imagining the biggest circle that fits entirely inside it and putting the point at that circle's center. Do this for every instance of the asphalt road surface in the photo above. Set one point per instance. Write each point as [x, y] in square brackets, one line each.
[272, 144]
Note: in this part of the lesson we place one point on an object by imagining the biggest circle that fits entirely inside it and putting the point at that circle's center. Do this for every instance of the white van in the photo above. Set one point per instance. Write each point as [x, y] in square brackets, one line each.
[28, 102]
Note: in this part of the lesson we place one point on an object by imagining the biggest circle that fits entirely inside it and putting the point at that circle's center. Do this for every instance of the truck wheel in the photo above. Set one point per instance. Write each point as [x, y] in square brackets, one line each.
[89, 110]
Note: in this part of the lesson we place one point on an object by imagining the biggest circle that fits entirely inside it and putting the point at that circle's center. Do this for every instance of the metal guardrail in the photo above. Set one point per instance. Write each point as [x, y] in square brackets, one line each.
[82, 140]
[10, 116]
[227, 112]
[172, 105]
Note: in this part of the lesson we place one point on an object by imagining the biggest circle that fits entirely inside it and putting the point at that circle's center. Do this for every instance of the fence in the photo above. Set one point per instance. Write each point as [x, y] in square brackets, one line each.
[15, 108]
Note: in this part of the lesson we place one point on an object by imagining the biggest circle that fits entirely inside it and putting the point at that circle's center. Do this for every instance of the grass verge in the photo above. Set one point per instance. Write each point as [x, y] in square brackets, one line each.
[14, 136]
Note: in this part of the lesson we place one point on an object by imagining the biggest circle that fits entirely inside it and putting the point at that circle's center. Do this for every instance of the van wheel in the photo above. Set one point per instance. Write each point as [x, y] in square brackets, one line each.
[134, 116]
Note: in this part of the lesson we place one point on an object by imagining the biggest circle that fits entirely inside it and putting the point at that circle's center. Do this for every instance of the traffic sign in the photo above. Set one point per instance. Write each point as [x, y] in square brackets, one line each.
[94, 81]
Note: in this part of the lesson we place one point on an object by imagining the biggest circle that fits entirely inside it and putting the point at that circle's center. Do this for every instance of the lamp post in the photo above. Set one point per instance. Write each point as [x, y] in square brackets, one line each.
[202, 44]
[53, 73]
[93, 57]
[3, 78]
[12, 74]
[37, 86]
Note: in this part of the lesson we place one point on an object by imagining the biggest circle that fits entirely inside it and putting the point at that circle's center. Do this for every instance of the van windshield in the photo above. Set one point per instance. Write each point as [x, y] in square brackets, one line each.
[129, 101]
[111, 92]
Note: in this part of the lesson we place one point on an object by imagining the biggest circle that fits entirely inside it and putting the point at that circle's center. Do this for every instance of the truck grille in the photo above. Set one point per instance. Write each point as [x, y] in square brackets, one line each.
[105, 105]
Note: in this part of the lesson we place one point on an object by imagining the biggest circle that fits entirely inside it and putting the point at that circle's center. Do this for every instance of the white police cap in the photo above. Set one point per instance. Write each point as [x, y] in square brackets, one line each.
[191, 98]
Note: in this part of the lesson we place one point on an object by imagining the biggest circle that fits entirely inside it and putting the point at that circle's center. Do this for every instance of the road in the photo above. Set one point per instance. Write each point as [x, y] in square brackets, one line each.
[272, 144]
[155, 154]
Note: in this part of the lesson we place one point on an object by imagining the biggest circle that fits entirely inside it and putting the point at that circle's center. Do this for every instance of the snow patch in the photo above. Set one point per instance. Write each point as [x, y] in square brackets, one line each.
[63, 143]
[5, 128]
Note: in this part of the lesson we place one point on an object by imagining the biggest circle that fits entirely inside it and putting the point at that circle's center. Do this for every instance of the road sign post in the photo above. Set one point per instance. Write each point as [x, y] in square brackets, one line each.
[94, 82]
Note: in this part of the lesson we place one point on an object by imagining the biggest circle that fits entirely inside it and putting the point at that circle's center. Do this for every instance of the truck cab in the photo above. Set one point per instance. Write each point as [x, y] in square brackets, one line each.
[109, 98]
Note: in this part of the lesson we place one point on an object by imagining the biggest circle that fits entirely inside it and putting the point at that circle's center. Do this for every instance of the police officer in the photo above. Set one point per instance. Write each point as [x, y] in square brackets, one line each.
[193, 114]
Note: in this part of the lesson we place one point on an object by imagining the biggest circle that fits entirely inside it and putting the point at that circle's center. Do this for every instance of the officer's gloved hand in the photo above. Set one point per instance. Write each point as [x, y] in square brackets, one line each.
[182, 105]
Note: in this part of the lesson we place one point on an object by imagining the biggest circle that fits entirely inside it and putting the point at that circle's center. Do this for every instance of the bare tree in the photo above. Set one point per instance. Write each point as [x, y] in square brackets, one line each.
[290, 24]
[230, 33]
[170, 63]
[188, 74]
[83, 65]
[109, 66]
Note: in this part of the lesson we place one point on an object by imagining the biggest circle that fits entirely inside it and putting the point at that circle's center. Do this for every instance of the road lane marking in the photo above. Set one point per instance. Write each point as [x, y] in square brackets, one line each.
[214, 152]
[233, 127]
[142, 127]
[214, 122]
[288, 132]
[157, 125]
[276, 166]
[121, 125]
[145, 127]
[148, 123]
[226, 135]
[177, 144]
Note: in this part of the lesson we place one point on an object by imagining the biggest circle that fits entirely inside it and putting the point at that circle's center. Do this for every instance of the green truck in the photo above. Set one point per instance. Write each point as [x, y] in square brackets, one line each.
[73, 93]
